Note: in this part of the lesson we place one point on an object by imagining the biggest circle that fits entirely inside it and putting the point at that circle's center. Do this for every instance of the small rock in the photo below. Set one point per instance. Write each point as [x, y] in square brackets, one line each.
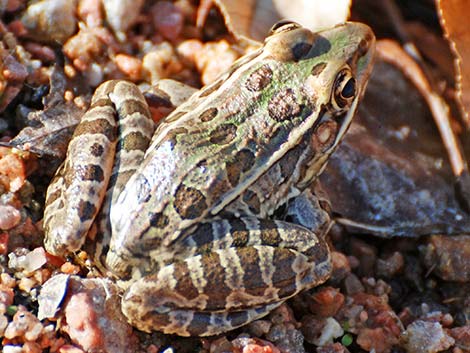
[367, 255]
[376, 340]
[6, 296]
[168, 19]
[247, 345]
[9, 217]
[8, 348]
[353, 285]
[89, 11]
[122, 14]
[326, 302]
[93, 316]
[391, 265]
[341, 266]
[260, 327]
[426, 337]
[448, 256]
[129, 65]
[461, 335]
[24, 324]
[330, 332]
[51, 296]
[50, 20]
[333, 348]
[35, 259]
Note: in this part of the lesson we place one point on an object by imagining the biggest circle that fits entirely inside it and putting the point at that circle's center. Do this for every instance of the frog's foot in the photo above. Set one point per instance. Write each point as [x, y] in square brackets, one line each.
[230, 277]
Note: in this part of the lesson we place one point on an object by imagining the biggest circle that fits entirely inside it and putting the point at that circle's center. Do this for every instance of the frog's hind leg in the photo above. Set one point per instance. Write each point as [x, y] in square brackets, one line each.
[230, 272]
[201, 323]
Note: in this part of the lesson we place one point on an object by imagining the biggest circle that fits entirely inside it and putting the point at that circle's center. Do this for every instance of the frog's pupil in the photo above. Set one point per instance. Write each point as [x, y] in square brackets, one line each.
[349, 89]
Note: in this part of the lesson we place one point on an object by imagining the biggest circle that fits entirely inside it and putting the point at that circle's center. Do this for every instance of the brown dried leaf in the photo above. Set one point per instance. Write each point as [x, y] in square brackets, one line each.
[248, 19]
[392, 52]
[454, 20]
[252, 19]
[50, 130]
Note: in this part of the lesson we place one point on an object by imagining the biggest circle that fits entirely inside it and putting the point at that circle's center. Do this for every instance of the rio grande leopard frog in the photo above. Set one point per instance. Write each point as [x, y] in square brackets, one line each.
[187, 223]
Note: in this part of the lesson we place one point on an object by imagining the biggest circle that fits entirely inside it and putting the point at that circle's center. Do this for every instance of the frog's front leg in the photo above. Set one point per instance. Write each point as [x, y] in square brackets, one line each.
[232, 272]
[105, 150]
[115, 128]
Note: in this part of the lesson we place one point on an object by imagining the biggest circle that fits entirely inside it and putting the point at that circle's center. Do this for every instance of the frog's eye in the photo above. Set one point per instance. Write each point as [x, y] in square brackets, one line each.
[344, 89]
[283, 26]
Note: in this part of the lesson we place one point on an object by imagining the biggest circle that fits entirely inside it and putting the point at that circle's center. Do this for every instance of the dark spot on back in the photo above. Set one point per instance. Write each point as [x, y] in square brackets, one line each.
[96, 149]
[189, 202]
[242, 162]
[283, 105]
[259, 79]
[89, 172]
[223, 134]
[208, 114]
[86, 210]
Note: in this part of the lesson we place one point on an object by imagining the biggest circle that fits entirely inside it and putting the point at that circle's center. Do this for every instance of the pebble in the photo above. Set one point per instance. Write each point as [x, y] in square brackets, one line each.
[9, 217]
[122, 14]
[50, 20]
[448, 257]
[426, 337]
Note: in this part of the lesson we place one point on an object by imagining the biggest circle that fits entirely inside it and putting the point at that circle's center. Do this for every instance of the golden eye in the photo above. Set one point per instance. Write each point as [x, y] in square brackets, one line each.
[344, 89]
[283, 26]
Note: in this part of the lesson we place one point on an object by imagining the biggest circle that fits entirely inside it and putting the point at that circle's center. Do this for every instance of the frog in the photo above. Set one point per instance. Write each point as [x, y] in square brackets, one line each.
[186, 213]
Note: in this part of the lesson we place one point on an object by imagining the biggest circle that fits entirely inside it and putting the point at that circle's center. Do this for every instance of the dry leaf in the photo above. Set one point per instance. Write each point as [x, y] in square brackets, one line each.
[247, 19]
[50, 130]
[252, 19]
[454, 20]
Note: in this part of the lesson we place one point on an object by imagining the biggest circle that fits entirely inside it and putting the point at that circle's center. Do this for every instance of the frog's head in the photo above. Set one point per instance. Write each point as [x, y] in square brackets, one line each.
[331, 69]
